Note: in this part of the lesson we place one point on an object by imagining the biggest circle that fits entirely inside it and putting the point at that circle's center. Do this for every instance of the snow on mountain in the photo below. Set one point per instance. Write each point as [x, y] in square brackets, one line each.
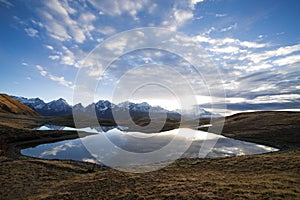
[34, 103]
[59, 105]
[53, 108]
[104, 105]
[105, 109]
[140, 107]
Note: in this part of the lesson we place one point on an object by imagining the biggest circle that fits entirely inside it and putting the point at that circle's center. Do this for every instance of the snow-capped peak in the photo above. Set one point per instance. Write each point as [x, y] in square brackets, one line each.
[104, 108]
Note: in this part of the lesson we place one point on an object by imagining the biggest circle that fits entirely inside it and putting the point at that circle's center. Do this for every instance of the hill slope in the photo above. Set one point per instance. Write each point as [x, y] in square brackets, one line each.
[279, 129]
[11, 105]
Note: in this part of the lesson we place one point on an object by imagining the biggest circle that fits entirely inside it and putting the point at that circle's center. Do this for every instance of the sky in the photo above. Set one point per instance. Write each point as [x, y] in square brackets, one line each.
[253, 45]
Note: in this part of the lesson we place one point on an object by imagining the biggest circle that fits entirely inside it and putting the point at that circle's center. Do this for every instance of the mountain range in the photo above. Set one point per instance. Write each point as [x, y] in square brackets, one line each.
[104, 109]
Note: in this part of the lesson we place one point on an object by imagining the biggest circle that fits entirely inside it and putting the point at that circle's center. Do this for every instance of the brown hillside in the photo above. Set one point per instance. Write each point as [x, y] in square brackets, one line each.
[279, 129]
[11, 105]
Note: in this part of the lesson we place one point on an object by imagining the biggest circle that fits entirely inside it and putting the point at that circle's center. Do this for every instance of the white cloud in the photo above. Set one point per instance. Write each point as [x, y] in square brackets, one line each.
[227, 49]
[262, 87]
[41, 70]
[61, 80]
[68, 22]
[70, 55]
[69, 9]
[86, 20]
[99, 40]
[87, 17]
[281, 51]
[24, 63]
[260, 36]
[287, 60]
[193, 3]
[221, 15]
[181, 13]
[228, 41]
[117, 46]
[204, 39]
[253, 44]
[37, 23]
[62, 27]
[260, 66]
[55, 29]
[275, 98]
[31, 32]
[181, 16]
[235, 99]
[115, 8]
[68, 58]
[7, 3]
[49, 47]
[54, 57]
[107, 30]
[229, 28]
[152, 8]
[280, 33]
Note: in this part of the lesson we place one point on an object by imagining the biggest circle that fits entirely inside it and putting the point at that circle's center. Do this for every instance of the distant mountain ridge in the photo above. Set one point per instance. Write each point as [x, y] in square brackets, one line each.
[104, 109]
[11, 105]
[52, 108]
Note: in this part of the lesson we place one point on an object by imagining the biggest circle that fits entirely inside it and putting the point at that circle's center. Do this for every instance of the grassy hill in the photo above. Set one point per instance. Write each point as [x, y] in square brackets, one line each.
[11, 105]
[277, 129]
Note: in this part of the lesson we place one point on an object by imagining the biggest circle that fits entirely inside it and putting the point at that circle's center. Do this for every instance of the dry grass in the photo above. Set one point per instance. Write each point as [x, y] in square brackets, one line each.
[267, 176]
[11, 105]
[279, 129]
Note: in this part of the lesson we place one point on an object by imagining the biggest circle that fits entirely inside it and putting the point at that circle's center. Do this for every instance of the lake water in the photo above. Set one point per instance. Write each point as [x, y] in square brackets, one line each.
[115, 146]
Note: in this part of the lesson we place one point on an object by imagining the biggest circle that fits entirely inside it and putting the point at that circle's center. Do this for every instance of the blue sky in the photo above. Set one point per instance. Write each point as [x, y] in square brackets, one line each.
[254, 43]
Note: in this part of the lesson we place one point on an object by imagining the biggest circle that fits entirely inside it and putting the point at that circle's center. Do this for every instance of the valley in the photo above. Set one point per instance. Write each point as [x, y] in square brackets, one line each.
[273, 175]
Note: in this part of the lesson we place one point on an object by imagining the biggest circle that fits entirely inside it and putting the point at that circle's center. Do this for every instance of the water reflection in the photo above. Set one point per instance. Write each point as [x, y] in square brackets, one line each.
[139, 144]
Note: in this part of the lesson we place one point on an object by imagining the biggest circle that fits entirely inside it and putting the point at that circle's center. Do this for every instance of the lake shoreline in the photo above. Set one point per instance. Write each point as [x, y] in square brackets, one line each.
[272, 175]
